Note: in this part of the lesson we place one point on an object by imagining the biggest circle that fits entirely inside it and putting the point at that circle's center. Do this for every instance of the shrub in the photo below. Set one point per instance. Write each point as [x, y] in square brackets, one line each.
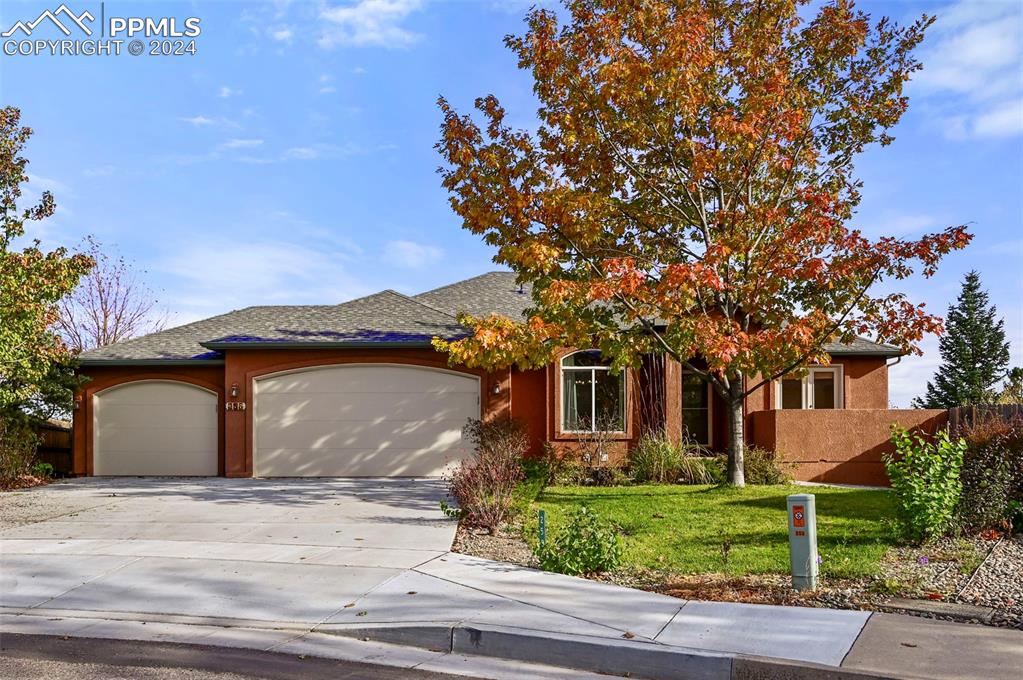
[563, 465]
[762, 467]
[586, 544]
[43, 470]
[656, 458]
[925, 478]
[484, 484]
[17, 448]
[992, 473]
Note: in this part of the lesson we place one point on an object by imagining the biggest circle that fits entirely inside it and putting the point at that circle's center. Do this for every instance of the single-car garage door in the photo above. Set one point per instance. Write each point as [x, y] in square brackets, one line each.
[155, 427]
[362, 421]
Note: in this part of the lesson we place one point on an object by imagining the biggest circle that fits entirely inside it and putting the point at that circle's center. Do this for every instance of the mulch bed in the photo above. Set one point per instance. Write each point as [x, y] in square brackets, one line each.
[985, 570]
[25, 482]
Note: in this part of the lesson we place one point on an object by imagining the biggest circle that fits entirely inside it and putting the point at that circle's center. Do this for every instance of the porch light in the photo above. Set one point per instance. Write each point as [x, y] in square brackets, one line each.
[234, 390]
[496, 389]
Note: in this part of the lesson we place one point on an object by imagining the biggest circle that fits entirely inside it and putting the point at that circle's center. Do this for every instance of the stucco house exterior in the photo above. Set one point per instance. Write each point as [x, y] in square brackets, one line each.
[356, 389]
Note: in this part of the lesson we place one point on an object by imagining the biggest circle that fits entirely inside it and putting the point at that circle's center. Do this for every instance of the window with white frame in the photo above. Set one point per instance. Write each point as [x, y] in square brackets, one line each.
[820, 388]
[696, 409]
[592, 398]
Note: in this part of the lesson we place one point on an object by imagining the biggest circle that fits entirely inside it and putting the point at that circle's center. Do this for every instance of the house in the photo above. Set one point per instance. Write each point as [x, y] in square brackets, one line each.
[356, 389]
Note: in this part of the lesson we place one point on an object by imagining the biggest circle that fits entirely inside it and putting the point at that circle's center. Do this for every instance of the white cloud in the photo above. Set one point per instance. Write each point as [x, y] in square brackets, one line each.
[197, 121]
[241, 143]
[908, 378]
[1005, 120]
[48, 184]
[267, 272]
[206, 121]
[368, 23]
[327, 89]
[410, 254]
[226, 92]
[972, 60]
[302, 153]
[282, 34]
[358, 70]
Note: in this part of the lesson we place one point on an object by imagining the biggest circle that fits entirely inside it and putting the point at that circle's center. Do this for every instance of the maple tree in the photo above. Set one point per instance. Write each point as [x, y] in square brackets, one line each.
[689, 187]
[35, 365]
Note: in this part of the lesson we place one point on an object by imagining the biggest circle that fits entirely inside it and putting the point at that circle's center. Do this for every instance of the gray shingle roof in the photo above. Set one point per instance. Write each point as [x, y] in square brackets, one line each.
[384, 319]
[490, 293]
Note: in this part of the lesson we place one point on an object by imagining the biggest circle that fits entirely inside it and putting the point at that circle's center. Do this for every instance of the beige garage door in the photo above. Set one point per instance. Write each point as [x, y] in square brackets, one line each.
[155, 428]
[361, 421]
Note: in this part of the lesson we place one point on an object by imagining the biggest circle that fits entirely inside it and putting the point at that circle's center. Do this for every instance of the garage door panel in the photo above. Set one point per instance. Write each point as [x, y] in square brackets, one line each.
[389, 462]
[147, 415]
[290, 408]
[381, 379]
[155, 428]
[156, 439]
[362, 434]
[153, 392]
[156, 463]
[362, 420]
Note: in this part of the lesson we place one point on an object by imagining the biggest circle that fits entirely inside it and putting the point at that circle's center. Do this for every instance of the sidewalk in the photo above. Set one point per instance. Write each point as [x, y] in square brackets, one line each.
[465, 607]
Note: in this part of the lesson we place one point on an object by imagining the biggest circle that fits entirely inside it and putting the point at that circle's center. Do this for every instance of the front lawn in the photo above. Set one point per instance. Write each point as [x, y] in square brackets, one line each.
[700, 529]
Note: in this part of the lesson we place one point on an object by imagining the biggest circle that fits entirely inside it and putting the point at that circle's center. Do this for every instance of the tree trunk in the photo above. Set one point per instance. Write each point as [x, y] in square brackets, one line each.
[736, 434]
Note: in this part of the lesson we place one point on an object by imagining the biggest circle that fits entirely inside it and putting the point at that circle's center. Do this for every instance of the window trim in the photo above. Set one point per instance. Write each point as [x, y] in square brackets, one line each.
[838, 373]
[593, 394]
[710, 409]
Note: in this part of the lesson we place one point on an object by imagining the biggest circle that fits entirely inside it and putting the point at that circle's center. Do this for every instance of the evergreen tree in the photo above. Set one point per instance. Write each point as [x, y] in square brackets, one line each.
[974, 352]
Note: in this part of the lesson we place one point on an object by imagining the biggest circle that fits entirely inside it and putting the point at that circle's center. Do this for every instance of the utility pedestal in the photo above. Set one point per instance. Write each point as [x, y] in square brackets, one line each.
[802, 513]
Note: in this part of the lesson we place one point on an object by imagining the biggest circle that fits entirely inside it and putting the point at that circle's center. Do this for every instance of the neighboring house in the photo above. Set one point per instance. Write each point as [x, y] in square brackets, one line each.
[356, 389]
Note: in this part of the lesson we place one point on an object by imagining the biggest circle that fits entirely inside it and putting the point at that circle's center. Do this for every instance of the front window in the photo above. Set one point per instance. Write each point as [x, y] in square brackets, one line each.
[820, 388]
[696, 408]
[592, 398]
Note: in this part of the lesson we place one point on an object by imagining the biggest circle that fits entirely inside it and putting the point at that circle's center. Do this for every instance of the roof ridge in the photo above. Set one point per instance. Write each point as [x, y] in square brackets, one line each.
[421, 303]
[464, 281]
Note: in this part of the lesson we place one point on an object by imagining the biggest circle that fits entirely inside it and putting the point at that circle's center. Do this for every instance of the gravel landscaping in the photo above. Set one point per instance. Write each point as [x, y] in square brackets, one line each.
[39, 503]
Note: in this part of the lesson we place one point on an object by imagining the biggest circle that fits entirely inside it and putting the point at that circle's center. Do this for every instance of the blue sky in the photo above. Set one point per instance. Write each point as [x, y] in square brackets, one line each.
[290, 159]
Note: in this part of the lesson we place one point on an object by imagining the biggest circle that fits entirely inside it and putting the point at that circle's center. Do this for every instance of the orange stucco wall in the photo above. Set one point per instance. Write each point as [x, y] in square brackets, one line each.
[842, 446]
[530, 396]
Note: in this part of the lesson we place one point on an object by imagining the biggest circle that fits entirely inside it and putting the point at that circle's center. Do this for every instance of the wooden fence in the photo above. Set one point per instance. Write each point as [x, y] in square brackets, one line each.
[55, 446]
[962, 416]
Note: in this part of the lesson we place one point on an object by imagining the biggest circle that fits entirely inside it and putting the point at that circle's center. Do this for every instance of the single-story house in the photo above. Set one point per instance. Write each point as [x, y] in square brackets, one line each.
[356, 389]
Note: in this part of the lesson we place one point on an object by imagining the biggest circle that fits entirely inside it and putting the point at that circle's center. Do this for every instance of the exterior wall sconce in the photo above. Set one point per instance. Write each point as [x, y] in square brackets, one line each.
[496, 389]
[77, 404]
[234, 390]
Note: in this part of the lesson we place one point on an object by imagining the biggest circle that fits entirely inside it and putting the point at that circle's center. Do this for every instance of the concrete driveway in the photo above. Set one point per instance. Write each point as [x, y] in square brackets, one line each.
[249, 549]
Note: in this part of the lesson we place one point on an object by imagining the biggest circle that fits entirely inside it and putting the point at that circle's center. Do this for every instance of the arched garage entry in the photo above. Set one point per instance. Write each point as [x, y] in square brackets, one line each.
[155, 427]
[361, 420]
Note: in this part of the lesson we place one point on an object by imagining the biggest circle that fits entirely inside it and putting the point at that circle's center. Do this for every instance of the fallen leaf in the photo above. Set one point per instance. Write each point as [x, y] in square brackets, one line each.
[627, 635]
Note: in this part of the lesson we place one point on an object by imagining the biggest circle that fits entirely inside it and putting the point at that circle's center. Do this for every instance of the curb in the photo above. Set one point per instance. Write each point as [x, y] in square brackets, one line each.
[596, 655]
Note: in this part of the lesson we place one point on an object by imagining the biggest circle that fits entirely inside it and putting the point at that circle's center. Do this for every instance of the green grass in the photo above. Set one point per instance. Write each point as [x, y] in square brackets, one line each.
[682, 528]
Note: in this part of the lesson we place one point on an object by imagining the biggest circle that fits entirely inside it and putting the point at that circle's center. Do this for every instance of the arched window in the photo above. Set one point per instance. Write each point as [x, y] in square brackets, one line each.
[592, 398]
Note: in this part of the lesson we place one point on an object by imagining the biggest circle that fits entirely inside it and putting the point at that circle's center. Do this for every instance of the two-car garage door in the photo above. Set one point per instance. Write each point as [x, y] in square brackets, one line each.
[361, 420]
